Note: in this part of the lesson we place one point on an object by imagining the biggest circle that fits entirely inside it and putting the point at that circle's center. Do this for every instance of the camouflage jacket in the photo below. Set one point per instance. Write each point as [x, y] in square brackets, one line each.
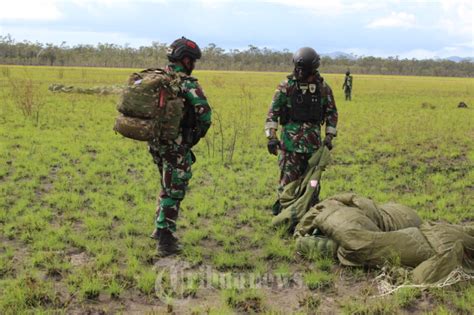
[298, 136]
[194, 96]
[347, 82]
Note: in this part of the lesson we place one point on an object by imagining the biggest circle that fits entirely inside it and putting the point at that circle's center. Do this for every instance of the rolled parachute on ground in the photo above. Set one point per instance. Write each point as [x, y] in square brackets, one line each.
[364, 233]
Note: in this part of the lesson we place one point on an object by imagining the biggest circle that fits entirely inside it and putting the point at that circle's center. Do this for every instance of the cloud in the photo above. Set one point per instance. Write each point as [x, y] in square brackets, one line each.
[395, 19]
[213, 4]
[417, 53]
[465, 45]
[328, 8]
[113, 3]
[39, 10]
[46, 35]
[444, 52]
[457, 17]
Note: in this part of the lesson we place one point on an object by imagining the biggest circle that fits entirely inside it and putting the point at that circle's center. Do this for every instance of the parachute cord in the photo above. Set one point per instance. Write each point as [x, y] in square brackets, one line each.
[386, 288]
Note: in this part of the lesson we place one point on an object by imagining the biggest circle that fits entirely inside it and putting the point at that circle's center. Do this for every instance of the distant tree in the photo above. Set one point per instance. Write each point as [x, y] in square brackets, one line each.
[214, 58]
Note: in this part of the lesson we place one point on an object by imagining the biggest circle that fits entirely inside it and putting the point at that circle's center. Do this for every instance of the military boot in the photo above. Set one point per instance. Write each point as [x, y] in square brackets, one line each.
[276, 208]
[167, 243]
[155, 234]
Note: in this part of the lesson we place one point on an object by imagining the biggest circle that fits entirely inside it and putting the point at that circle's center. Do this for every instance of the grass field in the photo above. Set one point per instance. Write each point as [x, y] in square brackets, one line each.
[77, 201]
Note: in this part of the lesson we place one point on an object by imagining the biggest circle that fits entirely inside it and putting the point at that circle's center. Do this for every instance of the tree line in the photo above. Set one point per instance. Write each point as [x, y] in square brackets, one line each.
[215, 58]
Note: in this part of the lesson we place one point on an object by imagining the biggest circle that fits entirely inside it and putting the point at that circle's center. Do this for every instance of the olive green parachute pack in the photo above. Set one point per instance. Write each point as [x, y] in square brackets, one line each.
[150, 106]
[359, 232]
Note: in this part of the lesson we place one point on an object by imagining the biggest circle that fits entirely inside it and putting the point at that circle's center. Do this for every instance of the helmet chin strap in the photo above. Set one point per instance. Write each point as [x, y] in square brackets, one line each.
[188, 65]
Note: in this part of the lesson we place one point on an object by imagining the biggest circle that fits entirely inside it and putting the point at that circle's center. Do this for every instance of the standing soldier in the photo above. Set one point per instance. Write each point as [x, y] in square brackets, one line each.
[174, 158]
[347, 85]
[302, 104]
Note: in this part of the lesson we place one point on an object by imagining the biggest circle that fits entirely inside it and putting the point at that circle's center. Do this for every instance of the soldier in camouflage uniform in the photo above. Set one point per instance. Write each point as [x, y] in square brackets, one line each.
[301, 104]
[174, 158]
[347, 86]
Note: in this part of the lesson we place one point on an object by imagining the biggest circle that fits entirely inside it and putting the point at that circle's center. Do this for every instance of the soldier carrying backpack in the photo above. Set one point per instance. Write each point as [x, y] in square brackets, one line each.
[171, 112]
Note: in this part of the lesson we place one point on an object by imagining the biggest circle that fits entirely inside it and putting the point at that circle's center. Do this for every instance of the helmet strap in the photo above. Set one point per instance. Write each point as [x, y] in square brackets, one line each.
[188, 64]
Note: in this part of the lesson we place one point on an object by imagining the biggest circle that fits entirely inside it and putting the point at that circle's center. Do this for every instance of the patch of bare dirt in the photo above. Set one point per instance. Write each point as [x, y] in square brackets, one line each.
[47, 182]
[79, 259]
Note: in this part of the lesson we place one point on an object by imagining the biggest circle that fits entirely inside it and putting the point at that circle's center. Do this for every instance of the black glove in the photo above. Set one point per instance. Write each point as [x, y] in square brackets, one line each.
[328, 141]
[273, 146]
[197, 135]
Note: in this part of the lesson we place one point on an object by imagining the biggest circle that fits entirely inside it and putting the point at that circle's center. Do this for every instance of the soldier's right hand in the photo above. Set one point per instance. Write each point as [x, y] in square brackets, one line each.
[273, 146]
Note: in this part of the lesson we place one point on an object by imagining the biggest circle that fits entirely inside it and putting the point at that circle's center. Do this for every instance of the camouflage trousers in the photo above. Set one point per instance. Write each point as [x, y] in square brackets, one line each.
[347, 93]
[292, 166]
[174, 163]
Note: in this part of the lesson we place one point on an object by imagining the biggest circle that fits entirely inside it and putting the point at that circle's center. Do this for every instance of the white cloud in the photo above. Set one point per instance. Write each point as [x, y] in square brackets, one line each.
[329, 8]
[214, 3]
[39, 10]
[112, 3]
[458, 17]
[417, 53]
[444, 52]
[395, 19]
[45, 35]
[465, 44]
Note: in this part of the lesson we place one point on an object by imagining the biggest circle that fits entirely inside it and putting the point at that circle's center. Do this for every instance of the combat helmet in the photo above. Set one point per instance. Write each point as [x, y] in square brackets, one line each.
[181, 48]
[306, 61]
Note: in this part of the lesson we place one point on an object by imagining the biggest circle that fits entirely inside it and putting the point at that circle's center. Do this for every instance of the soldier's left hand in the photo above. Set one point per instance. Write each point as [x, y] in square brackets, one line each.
[328, 141]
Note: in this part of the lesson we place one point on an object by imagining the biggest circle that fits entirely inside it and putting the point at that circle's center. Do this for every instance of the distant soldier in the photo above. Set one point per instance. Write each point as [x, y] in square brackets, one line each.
[347, 86]
[174, 158]
[302, 104]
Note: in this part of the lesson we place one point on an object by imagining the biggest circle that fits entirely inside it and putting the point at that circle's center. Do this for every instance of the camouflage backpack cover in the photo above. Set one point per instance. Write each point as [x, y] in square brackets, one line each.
[150, 106]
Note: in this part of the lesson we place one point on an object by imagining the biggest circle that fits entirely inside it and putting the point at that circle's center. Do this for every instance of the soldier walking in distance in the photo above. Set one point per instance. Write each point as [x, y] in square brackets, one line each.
[174, 158]
[301, 105]
[347, 86]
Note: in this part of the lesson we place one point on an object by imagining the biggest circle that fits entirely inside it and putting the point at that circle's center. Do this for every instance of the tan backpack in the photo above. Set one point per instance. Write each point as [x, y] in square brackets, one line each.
[150, 106]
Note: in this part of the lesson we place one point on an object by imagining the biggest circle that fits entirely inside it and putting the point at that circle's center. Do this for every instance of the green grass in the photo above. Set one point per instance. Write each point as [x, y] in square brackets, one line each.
[247, 300]
[71, 187]
[318, 280]
[406, 297]
[28, 292]
[371, 306]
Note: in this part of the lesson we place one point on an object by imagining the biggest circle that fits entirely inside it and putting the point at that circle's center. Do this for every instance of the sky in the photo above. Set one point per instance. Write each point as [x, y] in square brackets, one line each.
[407, 29]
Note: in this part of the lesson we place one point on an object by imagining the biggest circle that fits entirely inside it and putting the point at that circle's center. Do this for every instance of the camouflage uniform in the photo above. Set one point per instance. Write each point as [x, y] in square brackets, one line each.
[299, 140]
[174, 158]
[347, 86]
